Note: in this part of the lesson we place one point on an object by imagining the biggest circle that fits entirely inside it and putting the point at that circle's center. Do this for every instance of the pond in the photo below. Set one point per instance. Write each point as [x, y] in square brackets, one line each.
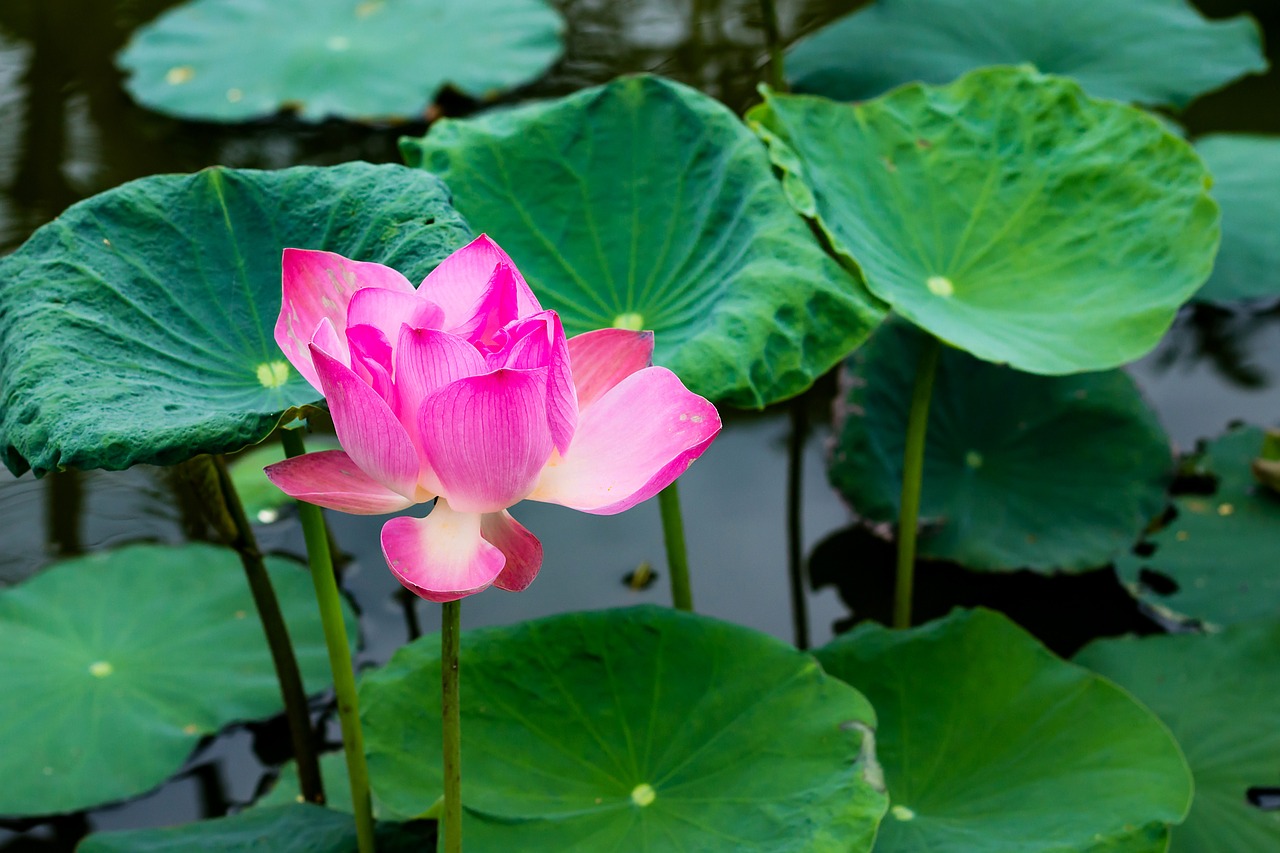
[68, 130]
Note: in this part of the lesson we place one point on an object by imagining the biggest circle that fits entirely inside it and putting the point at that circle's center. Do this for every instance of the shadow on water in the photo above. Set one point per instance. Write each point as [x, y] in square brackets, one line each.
[1064, 611]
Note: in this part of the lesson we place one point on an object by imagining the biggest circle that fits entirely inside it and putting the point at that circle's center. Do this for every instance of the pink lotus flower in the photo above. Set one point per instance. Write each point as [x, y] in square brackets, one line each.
[467, 391]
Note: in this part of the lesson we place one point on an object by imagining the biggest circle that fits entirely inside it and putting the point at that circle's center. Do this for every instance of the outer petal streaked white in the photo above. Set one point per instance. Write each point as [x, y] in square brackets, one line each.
[317, 286]
[441, 557]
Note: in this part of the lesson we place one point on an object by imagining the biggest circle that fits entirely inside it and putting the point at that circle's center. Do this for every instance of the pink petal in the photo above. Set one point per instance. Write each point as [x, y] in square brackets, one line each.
[521, 548]
[371, 358]
[318, 286]
[539, 341]
[484, 324]
[329, 478]
[486, 437]
[441, 557]
[388, 310]
[367, 428]
[525, 343]
[426, 361]
[462, 280]
[328, 339]
[632, 443]
[603, 358]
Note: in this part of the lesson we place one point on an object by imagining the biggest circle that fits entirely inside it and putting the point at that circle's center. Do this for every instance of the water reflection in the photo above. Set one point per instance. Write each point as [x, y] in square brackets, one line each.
[1230, 340]
[1213, 368]
[73, 512]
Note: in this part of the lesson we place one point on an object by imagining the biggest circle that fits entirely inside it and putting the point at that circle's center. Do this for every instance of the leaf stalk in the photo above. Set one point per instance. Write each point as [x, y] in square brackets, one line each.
[320, 558]
[912, 475]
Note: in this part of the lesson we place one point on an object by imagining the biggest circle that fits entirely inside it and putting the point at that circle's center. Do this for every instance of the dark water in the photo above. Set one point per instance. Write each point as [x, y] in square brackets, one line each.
[68, 130]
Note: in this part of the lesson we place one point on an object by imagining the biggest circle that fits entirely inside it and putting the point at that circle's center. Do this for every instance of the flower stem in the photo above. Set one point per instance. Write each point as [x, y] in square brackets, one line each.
[677, 555]
[773, 41]
[795, 541]
[912, 474]
[451, 723]
[335, 637]
[245, 544]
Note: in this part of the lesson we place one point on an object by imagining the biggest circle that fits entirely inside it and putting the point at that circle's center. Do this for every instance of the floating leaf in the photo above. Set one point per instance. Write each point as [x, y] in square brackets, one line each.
[297, 828]
[1021, 471]
[632, 729]
[1246, 182]
[232, 60]
[645, 204]
[1217, 693]
[1131, 51]
[1216, 560]
[137, 326]
[116, 664]
[1047, 230]
[990, 743]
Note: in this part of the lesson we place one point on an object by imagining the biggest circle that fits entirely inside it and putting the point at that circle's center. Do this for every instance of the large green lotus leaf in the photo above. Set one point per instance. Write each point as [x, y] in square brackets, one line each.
[991, 743]
[232, 60]
[645, 204]
[1246, 183]
[137, 326]
[1217, 692]
[1134, 51]
[1216, 561]
[296, 828]
[1021, 471]
[638, 729]
[116, 664]
[1007, 213]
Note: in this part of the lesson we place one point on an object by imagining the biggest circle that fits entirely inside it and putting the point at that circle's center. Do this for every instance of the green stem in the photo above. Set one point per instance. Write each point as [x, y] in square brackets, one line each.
[320, 557]
[451, 723]
[677, 555]
[286, 664]
[777, 71]
[795, 542]
[912, 474]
